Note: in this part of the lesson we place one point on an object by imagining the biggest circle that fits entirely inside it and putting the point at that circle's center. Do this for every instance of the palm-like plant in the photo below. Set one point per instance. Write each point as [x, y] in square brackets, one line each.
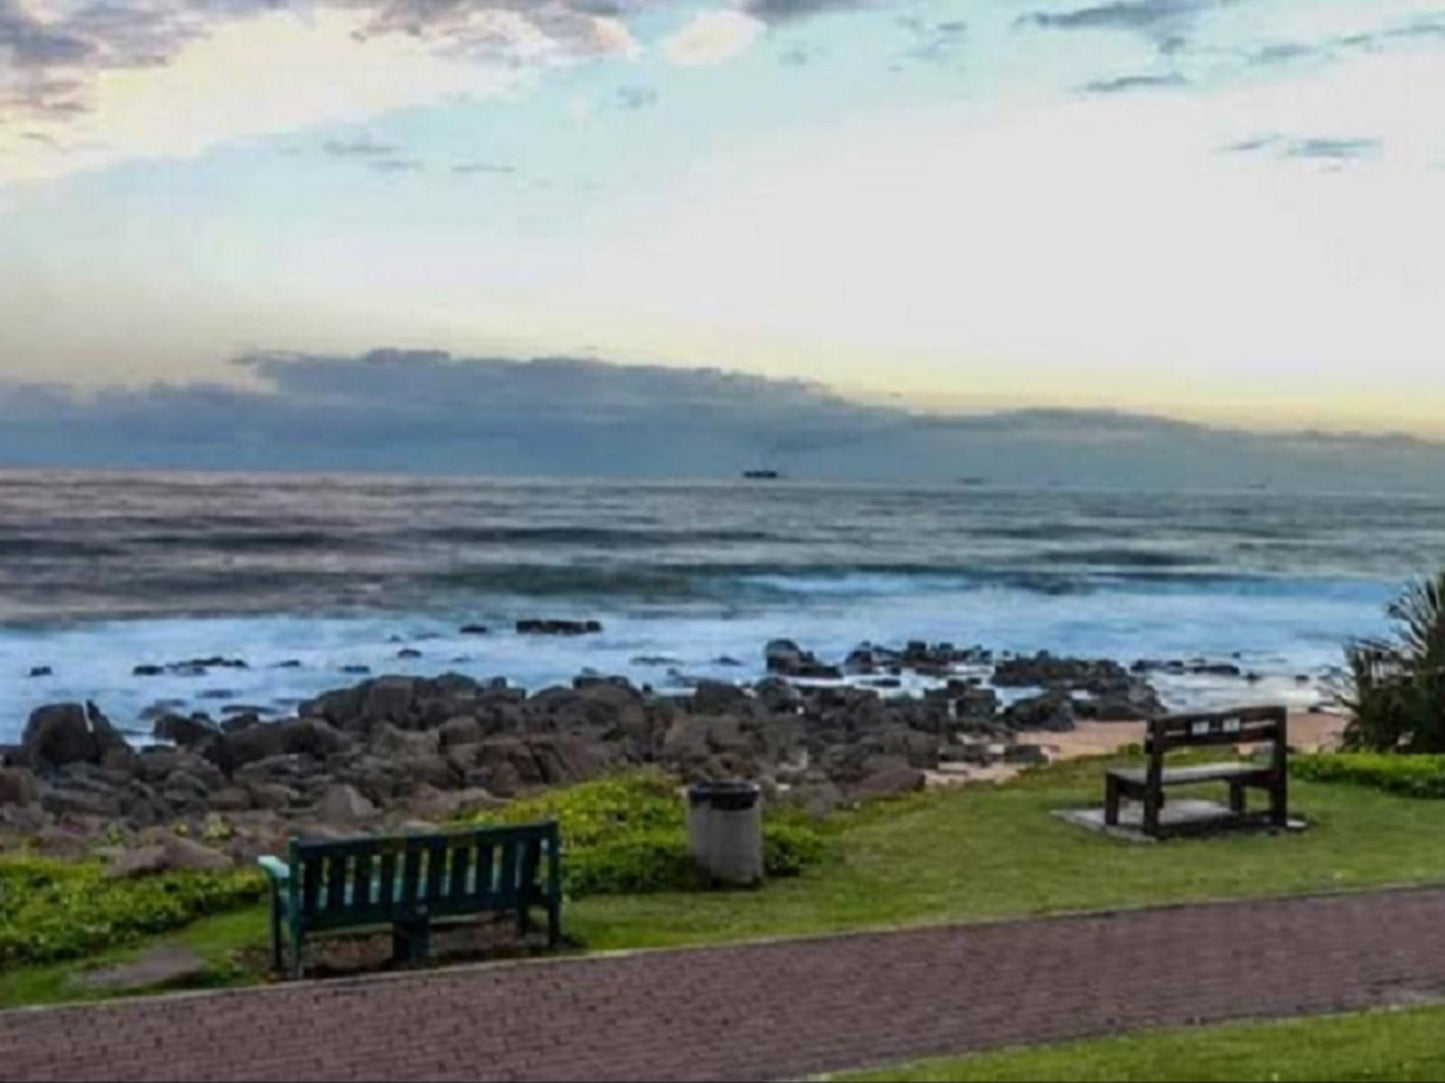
[1399, 684]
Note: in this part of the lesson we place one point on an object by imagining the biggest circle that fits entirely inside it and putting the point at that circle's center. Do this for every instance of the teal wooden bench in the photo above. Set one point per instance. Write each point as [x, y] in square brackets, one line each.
[410, 881]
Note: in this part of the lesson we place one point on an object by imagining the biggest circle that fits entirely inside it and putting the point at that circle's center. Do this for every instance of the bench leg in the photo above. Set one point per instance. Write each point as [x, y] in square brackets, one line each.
[1279, 804]
[411, 943]
[524, 919]
[1237, 803]
[1111, 801]
[1153, 801]
[554, 923]
[277, 962]
[296, 964]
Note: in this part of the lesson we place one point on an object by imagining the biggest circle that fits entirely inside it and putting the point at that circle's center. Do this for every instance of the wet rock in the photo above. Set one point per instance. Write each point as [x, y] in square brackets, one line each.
[725, 660]
[148, 671]
[719, 697]
[534, 626]
[408, 652]
[1052, 711]
[41, 671]
[289, 663]
[778, 695]
[185, 732]
[356, 668]
[655, 660]
[785, 657]
[63, 733]
[1045, 670]
[473, 630]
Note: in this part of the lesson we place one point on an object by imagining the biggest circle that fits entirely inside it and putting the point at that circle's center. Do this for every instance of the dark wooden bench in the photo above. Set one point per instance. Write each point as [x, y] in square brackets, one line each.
[409, 881]
[1244, 726]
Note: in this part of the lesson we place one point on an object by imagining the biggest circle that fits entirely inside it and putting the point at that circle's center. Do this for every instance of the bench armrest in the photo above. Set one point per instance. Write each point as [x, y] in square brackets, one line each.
[275, 868]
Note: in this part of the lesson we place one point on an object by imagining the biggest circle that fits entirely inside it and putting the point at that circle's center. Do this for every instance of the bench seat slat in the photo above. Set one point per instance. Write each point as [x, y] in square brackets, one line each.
[1203, 772]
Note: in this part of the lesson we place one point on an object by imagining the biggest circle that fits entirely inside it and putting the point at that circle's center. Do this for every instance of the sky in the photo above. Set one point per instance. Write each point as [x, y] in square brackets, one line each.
[1219, 210]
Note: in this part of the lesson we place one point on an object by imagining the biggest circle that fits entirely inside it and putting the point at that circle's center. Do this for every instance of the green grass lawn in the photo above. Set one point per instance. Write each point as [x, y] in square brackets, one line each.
[958, 855]
[1393, 1045]
[988, 852]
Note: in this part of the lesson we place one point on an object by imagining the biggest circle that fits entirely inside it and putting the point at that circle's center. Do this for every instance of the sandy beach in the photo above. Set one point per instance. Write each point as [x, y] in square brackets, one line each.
[1310, 731]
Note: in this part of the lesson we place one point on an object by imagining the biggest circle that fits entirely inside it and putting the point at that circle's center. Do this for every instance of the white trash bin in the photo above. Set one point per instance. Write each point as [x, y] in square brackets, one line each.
[725, 830]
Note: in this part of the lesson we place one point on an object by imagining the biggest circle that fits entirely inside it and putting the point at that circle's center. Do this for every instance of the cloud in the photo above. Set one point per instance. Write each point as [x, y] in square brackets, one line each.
[358, 148]
[1123, 83]
[395, 165]
[1306, 148]
[1165, 22]
[1251, 144]
[712, 37]
[635, 97]
[1334, 150]
[782, 11]
[425, 411]
[472, 168]
[160, 77]
[934, 43]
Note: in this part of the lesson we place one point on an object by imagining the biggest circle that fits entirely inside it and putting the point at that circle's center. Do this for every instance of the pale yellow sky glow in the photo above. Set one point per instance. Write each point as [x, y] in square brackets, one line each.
[654, 189]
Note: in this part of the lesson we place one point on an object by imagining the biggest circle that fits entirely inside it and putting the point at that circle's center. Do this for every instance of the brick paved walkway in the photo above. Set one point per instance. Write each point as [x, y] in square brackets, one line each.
[784, 1009]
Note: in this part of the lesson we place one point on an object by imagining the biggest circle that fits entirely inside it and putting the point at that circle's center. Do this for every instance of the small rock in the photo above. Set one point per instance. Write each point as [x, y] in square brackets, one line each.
[41, 671]
[290, 663]
[356, 669]
[343, 804]
[18, 787]
[148, 671]
[473, 629]
[408, 652]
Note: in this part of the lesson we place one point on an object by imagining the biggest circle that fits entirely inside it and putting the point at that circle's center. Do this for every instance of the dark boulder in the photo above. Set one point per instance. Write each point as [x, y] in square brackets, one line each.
[63, 733]
[41, 671]
[1052, 711]
[719, 697]
[182, 731]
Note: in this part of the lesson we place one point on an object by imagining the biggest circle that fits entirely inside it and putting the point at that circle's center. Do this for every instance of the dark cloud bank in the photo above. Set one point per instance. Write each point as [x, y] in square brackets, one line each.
[425, 412]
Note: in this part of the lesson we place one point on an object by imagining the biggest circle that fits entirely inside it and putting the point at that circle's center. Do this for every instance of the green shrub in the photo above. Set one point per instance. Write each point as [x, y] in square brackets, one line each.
[1413, 776]
[53, 910]
[1398, 684]
[628, 835]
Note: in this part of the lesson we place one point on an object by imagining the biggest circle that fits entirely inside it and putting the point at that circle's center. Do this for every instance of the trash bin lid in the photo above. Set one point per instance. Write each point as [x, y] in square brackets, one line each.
[727, 796]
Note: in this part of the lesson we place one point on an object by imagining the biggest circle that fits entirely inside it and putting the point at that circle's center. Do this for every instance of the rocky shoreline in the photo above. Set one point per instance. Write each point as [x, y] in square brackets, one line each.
[393, 751]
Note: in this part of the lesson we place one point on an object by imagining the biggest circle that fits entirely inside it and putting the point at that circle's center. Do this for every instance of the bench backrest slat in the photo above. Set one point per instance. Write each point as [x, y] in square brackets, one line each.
[1244, 726]
[336, 883]
[486, 870]
[436, 866]
[361, 882]
[457, 872]
[507, 882]
[386, 895]
[310, 883]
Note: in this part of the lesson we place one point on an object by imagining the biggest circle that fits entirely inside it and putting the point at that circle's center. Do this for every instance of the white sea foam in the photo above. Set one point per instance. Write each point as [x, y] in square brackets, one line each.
[1293, 628]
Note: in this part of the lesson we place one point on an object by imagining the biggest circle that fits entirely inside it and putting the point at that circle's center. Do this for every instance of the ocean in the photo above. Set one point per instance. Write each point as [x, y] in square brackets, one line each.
[104, 572]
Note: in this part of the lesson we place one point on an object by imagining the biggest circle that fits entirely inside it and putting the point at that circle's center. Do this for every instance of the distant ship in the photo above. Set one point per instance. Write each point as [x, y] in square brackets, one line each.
[761, 475]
